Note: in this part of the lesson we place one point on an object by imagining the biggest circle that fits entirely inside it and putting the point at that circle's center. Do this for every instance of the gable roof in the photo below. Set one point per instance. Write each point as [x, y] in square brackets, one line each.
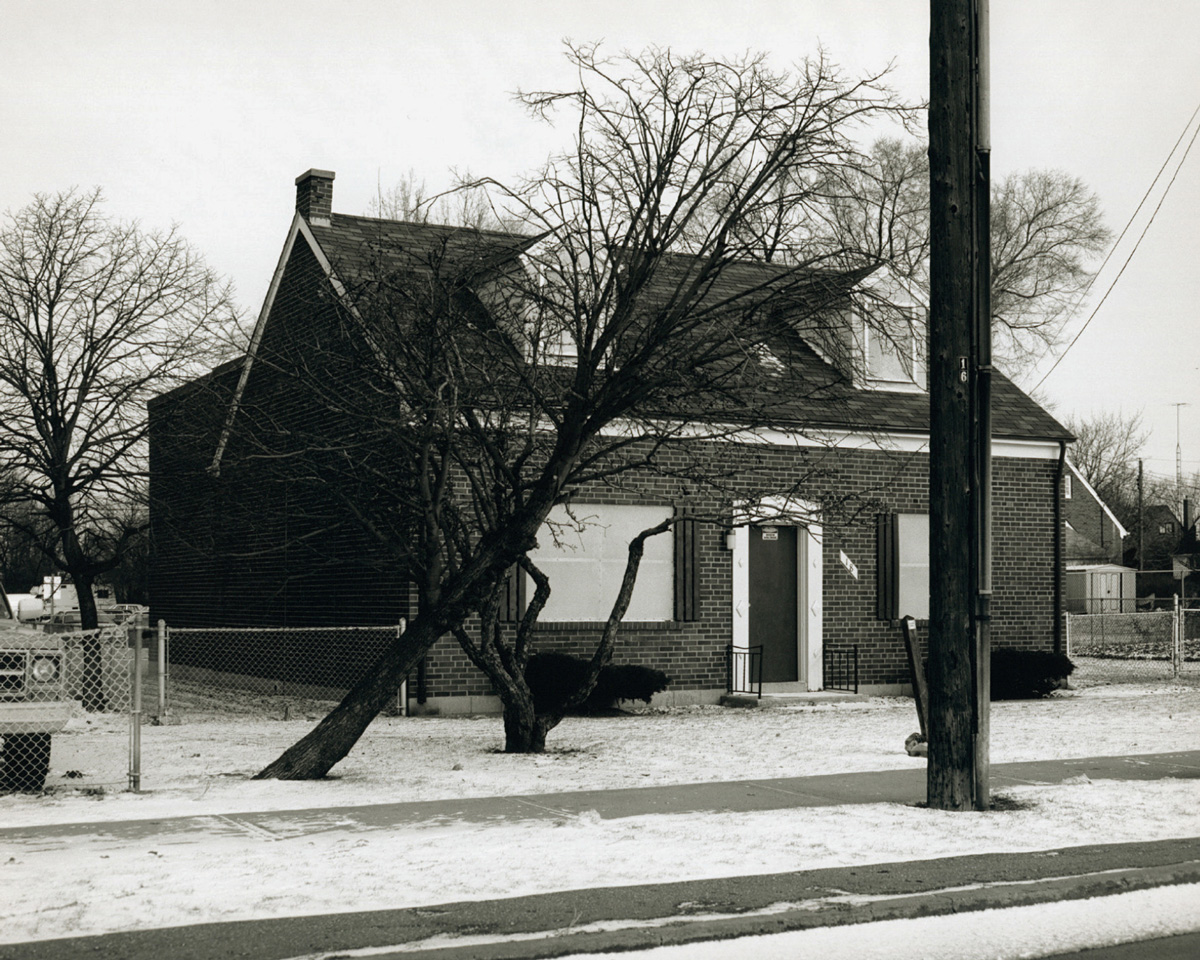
[1081, 549]
[353, 248]
[1121, 531]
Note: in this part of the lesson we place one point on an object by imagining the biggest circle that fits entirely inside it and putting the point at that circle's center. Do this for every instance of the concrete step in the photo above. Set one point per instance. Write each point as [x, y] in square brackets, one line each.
[771, 700]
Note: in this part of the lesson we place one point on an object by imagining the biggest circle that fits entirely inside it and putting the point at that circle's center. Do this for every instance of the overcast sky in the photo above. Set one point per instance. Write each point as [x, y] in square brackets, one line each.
[202, 114]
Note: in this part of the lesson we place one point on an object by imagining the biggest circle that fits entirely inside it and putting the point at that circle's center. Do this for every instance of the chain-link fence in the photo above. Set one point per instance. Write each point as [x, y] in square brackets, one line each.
[268, 671]
[1134, 647]
[66, 702]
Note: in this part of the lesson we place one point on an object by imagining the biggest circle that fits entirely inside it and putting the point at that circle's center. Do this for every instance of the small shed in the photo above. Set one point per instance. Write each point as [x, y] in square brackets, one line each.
[1101, 588]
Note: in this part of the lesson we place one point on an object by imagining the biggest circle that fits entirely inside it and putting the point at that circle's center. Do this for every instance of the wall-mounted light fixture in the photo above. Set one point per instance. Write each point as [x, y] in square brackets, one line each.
[730, 539]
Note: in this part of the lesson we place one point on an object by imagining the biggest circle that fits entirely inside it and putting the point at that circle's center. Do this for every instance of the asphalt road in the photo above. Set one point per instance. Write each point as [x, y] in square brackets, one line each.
[1186, 947]
[624, 918]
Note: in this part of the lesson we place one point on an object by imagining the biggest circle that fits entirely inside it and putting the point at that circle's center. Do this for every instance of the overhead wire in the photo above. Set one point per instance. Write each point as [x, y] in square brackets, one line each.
[1125, 230]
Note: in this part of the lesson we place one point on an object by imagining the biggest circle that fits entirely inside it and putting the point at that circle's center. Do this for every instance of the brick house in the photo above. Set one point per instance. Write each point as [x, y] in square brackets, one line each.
[230, 553]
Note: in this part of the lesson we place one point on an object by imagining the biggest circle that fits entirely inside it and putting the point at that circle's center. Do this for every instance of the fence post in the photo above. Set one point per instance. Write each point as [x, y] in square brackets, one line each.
[402, 693]
[162, 668]
[1176, 640]
[135, 718]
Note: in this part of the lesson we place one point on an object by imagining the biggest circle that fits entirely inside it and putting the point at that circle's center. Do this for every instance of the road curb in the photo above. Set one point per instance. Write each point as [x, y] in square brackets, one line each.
[622, 918]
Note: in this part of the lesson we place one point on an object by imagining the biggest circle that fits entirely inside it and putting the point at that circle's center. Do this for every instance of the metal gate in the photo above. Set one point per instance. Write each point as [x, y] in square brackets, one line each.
[1132, 647]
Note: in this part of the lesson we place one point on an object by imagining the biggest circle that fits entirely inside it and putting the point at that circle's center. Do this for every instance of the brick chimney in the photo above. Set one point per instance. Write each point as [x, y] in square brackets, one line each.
[314, 196]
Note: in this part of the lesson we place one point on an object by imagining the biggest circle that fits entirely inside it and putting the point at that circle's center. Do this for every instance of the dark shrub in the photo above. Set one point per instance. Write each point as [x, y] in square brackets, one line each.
[1027, 674]
[627, 681]
[553, 677]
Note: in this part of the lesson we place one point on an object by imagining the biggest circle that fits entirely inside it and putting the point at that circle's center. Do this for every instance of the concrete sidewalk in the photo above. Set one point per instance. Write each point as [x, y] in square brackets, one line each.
[889, 786]
[629, 917]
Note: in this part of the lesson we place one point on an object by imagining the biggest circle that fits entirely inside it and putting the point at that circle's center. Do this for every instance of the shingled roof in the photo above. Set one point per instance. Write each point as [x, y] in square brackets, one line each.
[361, 245]
[361, 248]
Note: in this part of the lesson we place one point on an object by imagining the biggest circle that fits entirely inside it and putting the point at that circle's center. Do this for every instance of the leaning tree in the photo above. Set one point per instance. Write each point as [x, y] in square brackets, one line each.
[495, 375]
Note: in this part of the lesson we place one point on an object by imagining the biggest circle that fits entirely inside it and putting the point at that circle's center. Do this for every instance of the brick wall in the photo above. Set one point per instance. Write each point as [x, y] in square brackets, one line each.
[252, 548]
[693, 653]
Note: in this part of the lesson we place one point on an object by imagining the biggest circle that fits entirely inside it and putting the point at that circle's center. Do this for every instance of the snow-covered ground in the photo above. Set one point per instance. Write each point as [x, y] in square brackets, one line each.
[201, 766]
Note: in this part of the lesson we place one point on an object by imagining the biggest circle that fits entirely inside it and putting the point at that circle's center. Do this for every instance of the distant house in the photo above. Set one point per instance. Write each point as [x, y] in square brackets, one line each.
[1093, 532]
[1185, 561]
[800, 592]
[1151, 548]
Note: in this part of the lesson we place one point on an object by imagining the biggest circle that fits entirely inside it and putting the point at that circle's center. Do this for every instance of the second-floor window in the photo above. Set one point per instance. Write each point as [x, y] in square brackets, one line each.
[892, 355]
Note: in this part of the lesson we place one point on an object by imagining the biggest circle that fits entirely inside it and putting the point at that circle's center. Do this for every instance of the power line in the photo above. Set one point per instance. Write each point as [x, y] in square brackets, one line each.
[1141, 236]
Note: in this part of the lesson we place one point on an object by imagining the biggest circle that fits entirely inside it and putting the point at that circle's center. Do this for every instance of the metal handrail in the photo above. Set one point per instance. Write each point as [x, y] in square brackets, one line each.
[743, 670]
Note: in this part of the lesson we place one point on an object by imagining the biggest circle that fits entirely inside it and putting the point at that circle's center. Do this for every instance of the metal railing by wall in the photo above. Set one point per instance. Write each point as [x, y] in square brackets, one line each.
[840, 666]
[743, 670]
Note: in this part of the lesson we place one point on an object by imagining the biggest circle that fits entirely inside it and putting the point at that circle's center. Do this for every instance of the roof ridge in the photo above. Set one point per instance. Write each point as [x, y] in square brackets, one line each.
[419, 224]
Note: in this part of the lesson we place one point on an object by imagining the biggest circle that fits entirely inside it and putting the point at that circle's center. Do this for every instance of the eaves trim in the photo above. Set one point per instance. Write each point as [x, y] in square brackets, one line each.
[832, 438]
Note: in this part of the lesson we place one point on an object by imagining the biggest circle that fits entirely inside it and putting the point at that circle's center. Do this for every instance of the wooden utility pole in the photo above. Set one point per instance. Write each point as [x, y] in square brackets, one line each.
[960, 401]
[1141, 518]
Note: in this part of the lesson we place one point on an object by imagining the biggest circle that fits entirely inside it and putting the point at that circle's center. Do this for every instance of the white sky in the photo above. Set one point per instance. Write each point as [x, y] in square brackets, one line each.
[203, 114]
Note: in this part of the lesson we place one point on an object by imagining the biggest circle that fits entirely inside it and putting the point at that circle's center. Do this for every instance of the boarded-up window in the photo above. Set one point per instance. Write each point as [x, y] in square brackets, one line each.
[902, 563]
[585, 558]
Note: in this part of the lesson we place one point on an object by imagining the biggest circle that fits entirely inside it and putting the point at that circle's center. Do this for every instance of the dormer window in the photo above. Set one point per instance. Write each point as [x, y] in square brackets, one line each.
[558, 348]
[891, 353]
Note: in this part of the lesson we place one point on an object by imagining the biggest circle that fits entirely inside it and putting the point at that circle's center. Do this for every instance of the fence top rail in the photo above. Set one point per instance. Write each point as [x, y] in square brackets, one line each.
[377, 628]
[1118, 615]
[114, 632]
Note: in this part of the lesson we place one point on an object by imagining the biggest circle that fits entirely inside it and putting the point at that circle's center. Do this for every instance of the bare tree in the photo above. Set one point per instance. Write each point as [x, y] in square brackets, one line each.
[95, 317]
[881, 208]
[1046, 226]
[524, 368]
[23, 560]
[463, 205]
[1105, 451]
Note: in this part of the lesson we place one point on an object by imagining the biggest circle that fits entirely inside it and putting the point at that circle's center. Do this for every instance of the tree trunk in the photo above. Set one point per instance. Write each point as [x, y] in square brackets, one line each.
[524, 728]
[315, 754]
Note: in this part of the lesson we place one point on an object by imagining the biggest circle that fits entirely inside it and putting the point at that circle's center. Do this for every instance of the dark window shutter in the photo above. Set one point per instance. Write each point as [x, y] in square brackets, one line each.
[687, 567]
[512, 603]
[887, 567]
